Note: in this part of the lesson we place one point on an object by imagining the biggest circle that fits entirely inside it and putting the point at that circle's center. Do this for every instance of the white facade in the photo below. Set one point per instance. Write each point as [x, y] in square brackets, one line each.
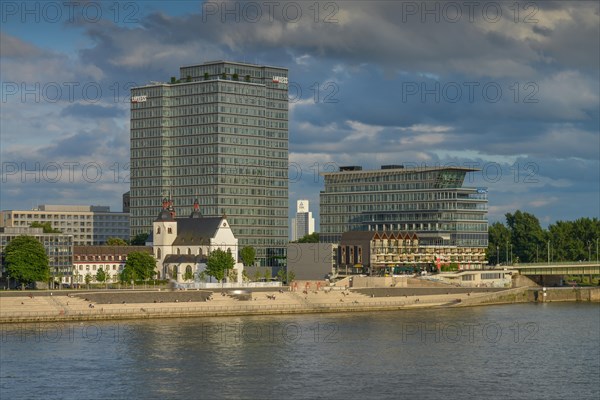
[87, 260]
[182, 244]
[89, 225]
[304, 223]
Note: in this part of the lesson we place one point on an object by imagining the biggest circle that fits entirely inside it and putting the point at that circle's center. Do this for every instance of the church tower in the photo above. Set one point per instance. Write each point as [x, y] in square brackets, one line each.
[164, 233]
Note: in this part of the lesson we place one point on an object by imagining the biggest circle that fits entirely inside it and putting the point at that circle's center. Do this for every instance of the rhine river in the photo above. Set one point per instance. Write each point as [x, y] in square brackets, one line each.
[526, 351]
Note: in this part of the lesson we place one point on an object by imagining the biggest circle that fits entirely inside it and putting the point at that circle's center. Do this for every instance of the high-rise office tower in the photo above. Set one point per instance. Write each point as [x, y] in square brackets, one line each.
[219, 133]
[430, 201]
[304, 223]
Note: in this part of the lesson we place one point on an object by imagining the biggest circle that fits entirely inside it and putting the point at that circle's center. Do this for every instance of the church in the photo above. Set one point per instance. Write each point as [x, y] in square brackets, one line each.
[181, 245]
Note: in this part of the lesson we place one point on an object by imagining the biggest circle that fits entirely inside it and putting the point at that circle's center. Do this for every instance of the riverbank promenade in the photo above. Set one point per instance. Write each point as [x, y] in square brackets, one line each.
[134, 304]
[98, 306]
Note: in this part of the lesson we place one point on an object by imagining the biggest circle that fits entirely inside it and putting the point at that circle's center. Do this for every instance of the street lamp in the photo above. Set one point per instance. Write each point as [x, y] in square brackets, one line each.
[589, 250]
[511, 256]
[497, 254]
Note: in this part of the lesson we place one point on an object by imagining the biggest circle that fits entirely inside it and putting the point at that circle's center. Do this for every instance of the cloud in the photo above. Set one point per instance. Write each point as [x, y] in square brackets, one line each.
[353, 102]
[92, 111]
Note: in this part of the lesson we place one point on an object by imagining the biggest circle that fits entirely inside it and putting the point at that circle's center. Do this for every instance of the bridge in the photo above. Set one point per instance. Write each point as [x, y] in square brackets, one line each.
[567, 268]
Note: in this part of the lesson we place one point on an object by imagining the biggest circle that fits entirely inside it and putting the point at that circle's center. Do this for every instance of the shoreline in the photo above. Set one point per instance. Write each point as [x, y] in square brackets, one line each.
[72, 308]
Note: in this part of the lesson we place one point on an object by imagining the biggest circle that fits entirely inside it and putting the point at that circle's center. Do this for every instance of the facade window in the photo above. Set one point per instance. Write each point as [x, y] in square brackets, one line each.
[491, 276]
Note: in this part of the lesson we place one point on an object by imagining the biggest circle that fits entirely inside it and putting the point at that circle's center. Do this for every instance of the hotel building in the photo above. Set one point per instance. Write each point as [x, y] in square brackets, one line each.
[428, 201]
[218, 134]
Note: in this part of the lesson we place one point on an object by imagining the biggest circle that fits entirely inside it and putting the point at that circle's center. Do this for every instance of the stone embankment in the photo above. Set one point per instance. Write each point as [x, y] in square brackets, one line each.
[109, 305]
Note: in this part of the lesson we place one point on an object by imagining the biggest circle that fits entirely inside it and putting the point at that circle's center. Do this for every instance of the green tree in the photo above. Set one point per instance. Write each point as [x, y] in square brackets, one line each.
[281, 275]
[223, 76]
[127, 275]
[218, 262]
[247, 78]
[113, 241]
[312, 238]
[46, 226]
[26, 260]
[498, 242]
[267, 275]
[572, 240]
[256, 275]
[526, 235]
[291, 276]
[139, 265]
[188, 275]
[236, 77]
[88, 279]
[206, 76]
[248, 254]
[101, 275]
[139, 239]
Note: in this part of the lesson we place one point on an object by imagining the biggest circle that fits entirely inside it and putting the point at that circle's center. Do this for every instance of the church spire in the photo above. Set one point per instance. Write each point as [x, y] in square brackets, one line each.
[196, 210]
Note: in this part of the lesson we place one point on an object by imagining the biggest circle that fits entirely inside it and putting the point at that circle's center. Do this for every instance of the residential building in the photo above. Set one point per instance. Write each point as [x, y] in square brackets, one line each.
[59, 248]
[89, 260]
[182, 244]
[429, 201]
[219, 134]
[304, 223]
[89, 225]
[392, 252]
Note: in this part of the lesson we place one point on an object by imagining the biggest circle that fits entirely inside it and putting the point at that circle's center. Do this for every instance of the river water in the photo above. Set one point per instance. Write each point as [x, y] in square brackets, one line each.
[526, 351]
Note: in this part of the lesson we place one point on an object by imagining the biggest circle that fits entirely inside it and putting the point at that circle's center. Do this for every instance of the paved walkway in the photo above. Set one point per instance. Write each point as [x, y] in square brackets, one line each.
[25, 308]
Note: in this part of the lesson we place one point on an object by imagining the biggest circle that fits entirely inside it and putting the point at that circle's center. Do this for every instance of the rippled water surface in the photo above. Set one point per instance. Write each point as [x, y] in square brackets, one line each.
[530, 351]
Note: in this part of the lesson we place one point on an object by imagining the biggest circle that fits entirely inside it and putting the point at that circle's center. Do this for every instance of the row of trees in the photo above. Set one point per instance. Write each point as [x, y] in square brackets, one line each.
[522, 239]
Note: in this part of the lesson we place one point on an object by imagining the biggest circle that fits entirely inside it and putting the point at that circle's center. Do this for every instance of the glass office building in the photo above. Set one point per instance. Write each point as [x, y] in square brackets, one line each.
[429, 201]
[219, 133]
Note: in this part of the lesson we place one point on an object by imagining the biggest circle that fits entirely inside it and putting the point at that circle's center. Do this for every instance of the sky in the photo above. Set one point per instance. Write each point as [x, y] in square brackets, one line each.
[511, 88]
